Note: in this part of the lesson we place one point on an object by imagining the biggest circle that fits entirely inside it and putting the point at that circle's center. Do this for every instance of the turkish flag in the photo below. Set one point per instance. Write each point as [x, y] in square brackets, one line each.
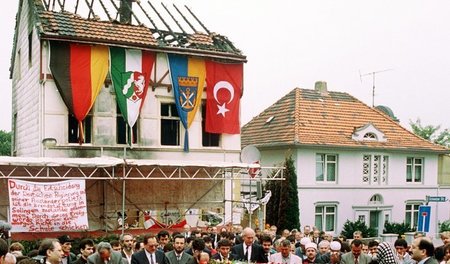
[223, 95]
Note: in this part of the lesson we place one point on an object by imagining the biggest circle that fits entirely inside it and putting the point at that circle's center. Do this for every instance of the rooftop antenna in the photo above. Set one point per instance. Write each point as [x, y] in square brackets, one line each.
[373, 81]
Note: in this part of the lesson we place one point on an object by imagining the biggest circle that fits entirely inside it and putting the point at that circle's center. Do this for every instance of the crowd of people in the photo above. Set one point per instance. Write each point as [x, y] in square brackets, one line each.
[197, 246]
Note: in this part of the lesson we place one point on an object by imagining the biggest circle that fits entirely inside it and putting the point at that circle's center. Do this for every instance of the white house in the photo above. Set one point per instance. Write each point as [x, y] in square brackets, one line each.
[352, 161]
[163, 175]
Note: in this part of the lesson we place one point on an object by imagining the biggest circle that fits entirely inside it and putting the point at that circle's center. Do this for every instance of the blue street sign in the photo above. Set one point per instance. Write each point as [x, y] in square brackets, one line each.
[423, 224]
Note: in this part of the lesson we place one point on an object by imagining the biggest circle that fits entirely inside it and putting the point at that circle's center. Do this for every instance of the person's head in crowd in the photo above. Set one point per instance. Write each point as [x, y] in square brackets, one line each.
[303, 242]
[104, 250]
[356, 247]
[163, 238]
[208, 242]
[266, 243]
[277, 244]
[174, 233]
[203, 258]
[52, 250]
[291, 239]
[401, 246]
[168, 247]
[324, 247]
[16, 249]
[306, 230]
[150, 243]
[298, 235]
[439, 254]
[86, 247]
[116, 245]
[248, 235]
[285, 233]
[139, 245]
[357, 235]
[421, 249]
[373, 247]
[33, 253]
[418, 234]
[224, 247]
[186, 228]
[345, 247]
[335, 251]
[26, 260]
[386, 254]
[365, 248]
[198, 245]
[3, 250]
[316, 233]
[447, 252]
[196, 234]
[445, 237]
[311, 251]
[126, 240]
[179, 242]
[285, 248]
[10, 259]
[66, 244]
[328, 237]
[342, 238]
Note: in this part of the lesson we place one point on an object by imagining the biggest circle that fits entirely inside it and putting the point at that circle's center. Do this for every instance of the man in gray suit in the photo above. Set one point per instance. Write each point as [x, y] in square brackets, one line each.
[356, 256]
[105, 255]
[177, 255]
[423, 251]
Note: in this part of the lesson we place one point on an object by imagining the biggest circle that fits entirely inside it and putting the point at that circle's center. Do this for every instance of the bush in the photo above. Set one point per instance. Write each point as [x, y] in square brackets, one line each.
[397, 228]
[444, 226]
[350, 227]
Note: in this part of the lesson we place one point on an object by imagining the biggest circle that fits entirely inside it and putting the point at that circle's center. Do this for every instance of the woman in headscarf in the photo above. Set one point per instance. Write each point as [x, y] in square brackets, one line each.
[386, 254]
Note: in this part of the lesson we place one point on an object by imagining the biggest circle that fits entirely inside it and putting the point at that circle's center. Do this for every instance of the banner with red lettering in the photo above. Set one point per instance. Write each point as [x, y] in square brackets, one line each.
[47, 206]
[224, 90]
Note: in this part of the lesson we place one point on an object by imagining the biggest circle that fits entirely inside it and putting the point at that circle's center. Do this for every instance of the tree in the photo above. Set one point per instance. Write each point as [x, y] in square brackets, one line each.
[431, 133]
[288, 213]
[397, 228]
[5, 143]
[350, 227]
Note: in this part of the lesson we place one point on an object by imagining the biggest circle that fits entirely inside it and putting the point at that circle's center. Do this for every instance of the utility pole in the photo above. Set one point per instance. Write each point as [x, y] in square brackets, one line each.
[373, 81]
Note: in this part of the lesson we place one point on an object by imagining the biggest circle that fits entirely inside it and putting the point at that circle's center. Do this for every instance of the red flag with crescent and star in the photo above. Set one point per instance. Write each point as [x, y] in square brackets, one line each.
[223, 95]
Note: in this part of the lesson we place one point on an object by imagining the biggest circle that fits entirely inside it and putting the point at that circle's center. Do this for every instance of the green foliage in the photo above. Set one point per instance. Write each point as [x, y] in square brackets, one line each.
[431, 133]
[350, 227]
[444, 226]
[5, 143]
[288, 213]
[397, 228]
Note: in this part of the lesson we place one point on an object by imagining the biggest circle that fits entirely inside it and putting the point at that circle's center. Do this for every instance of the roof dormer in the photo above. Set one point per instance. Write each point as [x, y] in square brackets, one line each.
[368, 132]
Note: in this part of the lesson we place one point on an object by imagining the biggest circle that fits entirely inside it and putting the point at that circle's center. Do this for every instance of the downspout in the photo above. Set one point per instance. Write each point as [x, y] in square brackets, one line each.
[43, 71]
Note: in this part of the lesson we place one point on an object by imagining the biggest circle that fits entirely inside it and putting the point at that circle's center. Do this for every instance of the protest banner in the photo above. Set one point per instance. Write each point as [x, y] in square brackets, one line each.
[47, 206]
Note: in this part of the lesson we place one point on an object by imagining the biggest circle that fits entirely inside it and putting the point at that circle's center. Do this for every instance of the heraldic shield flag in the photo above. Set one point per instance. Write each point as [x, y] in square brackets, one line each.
[224, 90]
[79, 72]
[188, 80]
[130, 75]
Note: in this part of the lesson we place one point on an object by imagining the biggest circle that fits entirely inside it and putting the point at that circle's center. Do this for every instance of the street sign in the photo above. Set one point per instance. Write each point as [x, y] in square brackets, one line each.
[436, 199]
[423, 224]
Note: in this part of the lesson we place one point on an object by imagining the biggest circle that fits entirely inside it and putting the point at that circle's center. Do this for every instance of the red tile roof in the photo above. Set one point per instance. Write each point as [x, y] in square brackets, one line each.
[308, 117]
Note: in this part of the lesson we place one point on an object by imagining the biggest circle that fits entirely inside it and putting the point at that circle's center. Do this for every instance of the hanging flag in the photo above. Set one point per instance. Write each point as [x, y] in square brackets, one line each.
[130, 75]
[224, 90]
[79, 72]
[188, 79]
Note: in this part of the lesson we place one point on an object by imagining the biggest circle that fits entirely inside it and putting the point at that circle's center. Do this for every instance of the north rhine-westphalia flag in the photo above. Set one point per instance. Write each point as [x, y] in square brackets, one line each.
[188, 80]
[79, 72]
[223, 94]
[130, 74]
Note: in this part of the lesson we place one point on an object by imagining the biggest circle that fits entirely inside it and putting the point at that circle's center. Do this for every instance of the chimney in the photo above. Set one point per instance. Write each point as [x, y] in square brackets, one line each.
[125, 11]
[321, 87]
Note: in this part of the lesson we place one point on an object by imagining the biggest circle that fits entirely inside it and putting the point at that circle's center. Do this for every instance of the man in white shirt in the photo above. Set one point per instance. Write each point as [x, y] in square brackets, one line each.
[285, 256]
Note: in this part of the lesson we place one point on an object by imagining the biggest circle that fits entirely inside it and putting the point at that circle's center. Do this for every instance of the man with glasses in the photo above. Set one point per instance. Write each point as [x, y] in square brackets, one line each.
[150, 254]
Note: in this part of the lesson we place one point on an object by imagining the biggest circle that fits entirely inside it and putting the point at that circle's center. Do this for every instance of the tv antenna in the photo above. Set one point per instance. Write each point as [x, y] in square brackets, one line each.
[373, 81]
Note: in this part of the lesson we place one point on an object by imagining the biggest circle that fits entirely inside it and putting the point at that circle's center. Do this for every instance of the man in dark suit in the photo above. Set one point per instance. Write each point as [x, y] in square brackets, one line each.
[249, 251]
[177, 255]
[423, 251]
[105, 255]
[223, 254]
[149, 255]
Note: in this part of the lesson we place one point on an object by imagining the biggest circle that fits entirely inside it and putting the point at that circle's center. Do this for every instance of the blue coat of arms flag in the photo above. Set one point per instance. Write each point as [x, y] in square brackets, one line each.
[188, 80]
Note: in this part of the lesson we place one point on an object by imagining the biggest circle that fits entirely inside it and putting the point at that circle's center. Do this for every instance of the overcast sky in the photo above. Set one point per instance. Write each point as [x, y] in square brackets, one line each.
[292, 44]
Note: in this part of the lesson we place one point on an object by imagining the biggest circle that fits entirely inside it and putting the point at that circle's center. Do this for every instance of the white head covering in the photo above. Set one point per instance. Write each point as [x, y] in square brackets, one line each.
[305, 240]
[334, 245]
[311, 245]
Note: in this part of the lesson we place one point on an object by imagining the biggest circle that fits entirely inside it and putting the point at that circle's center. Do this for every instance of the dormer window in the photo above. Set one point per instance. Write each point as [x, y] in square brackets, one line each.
[368, 132]
[370, 136]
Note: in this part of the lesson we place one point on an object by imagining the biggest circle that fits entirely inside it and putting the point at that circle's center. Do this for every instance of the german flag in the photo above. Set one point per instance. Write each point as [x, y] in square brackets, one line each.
[79, 72]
